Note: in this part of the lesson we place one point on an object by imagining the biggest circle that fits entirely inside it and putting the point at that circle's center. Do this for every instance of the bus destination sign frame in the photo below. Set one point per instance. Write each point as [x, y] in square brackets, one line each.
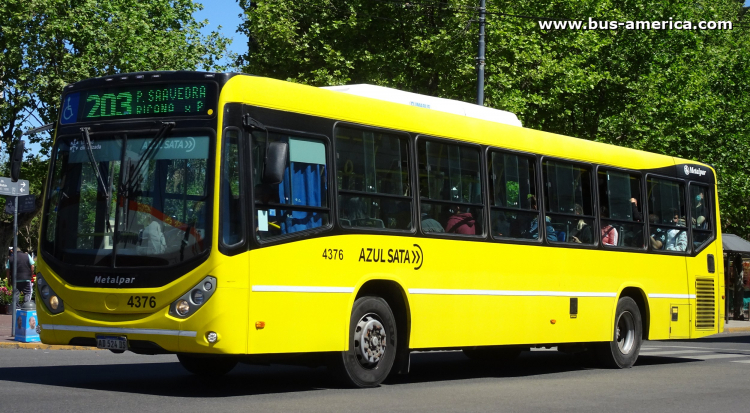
[197, 99]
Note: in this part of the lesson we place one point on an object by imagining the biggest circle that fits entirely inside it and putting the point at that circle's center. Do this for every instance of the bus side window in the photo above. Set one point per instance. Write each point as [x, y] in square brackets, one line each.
[300, 201]
[620, 208]
[513, 205]
[450, 188]
[568, 204]
[372, 175]
[666, 207]
[700, 214]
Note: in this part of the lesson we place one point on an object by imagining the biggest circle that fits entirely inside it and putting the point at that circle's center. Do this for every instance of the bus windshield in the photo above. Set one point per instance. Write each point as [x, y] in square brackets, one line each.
[154, 211]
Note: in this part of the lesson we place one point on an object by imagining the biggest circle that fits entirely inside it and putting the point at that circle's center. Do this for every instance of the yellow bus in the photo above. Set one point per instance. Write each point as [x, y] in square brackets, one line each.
[230, 218]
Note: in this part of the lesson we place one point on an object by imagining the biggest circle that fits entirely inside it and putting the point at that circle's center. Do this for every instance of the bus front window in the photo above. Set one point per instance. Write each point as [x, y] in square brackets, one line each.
[157, 213]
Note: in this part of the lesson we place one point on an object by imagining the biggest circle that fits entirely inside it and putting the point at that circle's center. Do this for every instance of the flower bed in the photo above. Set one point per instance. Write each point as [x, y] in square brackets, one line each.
[6, 293]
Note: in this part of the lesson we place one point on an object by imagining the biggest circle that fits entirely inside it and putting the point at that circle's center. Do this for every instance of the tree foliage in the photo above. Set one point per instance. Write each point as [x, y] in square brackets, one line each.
[47, 44]
[676, 92]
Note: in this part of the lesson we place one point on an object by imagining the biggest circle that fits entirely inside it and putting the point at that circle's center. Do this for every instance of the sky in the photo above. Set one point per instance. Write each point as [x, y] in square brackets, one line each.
[224, 13]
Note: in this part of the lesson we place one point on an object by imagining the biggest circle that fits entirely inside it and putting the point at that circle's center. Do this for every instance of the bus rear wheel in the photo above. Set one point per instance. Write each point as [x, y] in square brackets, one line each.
[372, 343]
[207, 366]
[622, 351]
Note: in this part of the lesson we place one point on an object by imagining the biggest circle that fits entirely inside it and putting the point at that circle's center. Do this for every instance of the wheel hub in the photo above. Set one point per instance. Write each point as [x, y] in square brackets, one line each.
[370, 341]
[625, 332]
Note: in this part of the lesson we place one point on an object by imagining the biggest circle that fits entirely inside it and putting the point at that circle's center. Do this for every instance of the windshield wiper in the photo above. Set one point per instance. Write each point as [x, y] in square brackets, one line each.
[95, 166]
[92, 160]
[151, 150]
[132, 176]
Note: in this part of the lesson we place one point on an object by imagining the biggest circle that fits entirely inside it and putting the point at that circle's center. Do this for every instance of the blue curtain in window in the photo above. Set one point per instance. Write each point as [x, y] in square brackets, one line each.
[302, 181]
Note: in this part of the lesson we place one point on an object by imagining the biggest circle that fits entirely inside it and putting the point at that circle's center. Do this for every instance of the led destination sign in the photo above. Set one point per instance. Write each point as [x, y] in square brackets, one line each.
[186, 99]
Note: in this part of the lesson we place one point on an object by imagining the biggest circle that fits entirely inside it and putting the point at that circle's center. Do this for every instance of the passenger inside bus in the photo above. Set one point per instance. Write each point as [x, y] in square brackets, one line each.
[534, 226]
[699, 212]
[152, 239]
[658, 236]
[677, 238]
[582, 233]
[430, 224]
[502, 226]
[609, 233]
[461, 222]
[637, 217]
[632, 235]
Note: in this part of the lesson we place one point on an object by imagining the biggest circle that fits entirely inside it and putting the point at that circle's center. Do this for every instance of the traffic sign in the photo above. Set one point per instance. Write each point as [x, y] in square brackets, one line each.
[26, 203]
[19, 188]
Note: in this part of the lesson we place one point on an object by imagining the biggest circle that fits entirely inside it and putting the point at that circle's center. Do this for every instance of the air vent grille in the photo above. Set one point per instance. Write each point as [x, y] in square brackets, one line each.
[705, 317]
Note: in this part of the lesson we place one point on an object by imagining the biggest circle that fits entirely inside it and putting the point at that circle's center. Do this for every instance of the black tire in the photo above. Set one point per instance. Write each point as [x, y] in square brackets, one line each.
[493, 355]
[371, 327]
[207, 366]
[622, 351]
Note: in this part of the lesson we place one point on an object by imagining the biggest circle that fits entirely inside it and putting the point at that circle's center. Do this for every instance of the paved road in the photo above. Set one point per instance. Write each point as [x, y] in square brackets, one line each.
[711, 374]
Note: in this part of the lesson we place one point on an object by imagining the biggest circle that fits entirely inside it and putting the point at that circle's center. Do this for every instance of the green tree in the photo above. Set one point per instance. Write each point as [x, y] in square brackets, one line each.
[47, 44]
[676, 92]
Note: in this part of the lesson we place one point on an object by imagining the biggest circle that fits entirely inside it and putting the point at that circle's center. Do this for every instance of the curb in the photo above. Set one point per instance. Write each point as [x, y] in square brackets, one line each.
[732, 330]
[41, 346]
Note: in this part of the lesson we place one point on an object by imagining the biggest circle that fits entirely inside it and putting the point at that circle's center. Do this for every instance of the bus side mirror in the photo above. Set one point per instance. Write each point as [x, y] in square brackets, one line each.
[276, 155]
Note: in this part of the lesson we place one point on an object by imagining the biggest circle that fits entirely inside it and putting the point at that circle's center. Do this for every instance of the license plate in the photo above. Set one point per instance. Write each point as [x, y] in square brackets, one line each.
[112, 342]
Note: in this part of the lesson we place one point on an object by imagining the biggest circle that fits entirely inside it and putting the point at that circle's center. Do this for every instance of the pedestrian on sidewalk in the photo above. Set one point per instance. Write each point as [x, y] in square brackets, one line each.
[24, 271]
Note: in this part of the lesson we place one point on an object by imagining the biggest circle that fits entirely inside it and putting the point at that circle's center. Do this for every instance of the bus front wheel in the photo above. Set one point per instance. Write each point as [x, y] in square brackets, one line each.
[372, 343]
[207, 366]
[622, 351]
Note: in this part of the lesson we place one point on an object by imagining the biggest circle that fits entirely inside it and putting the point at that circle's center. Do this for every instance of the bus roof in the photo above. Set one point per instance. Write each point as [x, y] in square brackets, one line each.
[348, 106]
[429, 102]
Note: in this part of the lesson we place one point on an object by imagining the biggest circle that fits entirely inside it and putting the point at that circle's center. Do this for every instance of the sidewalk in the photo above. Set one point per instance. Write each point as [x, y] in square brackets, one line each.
[737, 326]
[6, 341]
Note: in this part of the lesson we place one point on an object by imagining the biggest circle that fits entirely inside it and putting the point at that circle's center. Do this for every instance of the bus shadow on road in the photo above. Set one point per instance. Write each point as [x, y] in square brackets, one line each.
[646, 360]
[170, 379]
[430, 367]
[741, 338]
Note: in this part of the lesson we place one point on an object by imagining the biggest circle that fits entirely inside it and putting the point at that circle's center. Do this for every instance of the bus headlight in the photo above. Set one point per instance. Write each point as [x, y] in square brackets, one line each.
[53, 303]
[197, 296]
[182, 307]
[192, 300]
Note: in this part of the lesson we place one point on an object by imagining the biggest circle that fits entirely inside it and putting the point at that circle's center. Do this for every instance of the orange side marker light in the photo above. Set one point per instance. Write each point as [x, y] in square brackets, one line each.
[259, 325]
[553, 321]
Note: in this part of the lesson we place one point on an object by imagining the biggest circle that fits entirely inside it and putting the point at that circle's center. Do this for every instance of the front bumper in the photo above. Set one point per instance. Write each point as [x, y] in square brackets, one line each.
[157, 331]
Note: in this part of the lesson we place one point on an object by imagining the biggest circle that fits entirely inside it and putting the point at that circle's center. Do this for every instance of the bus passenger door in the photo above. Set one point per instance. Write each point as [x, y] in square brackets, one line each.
[703, 265]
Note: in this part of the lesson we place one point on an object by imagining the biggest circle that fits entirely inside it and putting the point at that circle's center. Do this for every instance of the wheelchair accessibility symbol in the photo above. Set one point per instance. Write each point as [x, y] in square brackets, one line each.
[70, 109]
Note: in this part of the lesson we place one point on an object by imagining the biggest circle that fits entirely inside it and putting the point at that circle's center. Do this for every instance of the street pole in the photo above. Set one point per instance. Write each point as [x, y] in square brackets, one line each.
[15, 266]
[480, 58]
